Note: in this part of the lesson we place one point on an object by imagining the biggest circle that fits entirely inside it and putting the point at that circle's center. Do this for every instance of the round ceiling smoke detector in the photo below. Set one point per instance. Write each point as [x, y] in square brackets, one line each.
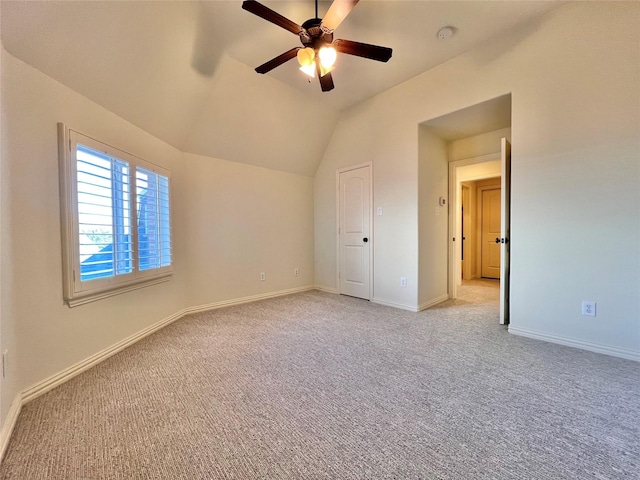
[445, 32]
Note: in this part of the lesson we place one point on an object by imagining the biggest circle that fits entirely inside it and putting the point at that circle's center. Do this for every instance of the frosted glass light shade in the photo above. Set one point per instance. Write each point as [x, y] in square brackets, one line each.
[327, 57]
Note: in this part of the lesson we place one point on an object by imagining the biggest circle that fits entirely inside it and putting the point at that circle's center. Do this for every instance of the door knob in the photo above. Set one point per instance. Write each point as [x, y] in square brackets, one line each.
[497, 240]
[365, 239]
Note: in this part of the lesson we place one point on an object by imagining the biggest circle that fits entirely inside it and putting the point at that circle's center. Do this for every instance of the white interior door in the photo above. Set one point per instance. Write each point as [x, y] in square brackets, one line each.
[354, 232]
[505, 230]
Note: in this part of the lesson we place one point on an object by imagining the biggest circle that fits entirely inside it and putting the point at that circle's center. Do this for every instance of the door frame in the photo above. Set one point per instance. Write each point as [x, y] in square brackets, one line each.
[371, 226]
[455, 227]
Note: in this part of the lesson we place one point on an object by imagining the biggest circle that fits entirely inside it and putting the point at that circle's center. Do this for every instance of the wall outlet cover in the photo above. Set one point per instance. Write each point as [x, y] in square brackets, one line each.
[588, 308]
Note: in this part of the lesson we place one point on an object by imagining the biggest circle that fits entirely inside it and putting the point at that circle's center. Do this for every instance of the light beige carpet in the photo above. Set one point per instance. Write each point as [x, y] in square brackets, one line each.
[315, 386]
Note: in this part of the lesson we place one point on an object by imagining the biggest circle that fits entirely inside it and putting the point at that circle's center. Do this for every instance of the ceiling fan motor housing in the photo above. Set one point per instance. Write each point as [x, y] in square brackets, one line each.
[313, 35]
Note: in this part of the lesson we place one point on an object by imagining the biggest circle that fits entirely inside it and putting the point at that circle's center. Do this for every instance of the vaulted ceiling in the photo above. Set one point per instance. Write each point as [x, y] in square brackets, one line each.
[183, 71]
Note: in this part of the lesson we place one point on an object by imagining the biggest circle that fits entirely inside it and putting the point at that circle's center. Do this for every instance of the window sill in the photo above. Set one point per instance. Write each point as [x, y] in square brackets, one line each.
[88, 297]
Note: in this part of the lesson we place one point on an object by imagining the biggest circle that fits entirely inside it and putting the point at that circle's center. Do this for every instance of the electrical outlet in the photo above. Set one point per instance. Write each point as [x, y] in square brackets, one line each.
[263, 277]
[296, 271]
[403, 282]
[588, 308]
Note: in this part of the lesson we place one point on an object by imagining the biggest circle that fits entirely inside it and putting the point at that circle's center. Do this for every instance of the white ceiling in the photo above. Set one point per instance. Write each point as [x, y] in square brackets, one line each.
[409, 27]
[183, 71]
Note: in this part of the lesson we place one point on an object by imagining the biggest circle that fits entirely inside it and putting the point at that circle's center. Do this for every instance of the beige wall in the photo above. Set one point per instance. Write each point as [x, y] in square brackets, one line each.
[433, 219]
[362, 135]
[477, 145]
[42, 335]
[575, 136]
[231, 221]
[243, 220]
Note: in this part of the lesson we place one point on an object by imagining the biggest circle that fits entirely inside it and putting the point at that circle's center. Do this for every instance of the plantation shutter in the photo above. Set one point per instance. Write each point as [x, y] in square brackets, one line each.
[104, 215]
[154, 222]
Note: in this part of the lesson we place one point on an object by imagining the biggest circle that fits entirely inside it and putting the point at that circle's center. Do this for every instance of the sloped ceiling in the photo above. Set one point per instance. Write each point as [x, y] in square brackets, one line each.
[183, 71]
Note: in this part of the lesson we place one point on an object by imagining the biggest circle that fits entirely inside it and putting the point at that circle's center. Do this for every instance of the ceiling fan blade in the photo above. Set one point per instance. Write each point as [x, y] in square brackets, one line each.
[337, 12]
[373, 52]
[326, 82]
[277, 61]
[271, 16]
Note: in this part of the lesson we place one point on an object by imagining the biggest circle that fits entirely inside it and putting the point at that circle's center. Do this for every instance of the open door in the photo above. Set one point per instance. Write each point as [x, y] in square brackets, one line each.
[505, 230]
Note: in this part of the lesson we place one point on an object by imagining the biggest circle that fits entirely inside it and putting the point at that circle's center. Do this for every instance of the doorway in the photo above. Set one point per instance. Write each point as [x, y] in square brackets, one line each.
[469, 138]
[480, 226]
[495, 261]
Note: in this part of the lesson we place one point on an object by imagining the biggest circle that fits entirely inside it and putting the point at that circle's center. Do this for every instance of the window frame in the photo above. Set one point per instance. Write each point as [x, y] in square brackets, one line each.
[78, 292]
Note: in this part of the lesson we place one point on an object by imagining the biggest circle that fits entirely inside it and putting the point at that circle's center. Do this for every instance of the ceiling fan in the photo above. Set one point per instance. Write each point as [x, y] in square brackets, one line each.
[318, 52]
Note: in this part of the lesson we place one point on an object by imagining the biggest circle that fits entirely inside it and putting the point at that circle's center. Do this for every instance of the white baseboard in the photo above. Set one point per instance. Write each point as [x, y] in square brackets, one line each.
[388, 303]
[323, 288]
[252, 298]
[67, 374]
[433, 302]
[9, 424]
[50, 383]
[411, 308]
[571, 342]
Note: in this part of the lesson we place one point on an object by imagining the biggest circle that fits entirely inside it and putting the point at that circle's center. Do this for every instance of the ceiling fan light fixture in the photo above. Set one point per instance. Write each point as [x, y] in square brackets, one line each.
[327, 55]
[306, 56]
[306, 59]
[309, 70]
[324, 70]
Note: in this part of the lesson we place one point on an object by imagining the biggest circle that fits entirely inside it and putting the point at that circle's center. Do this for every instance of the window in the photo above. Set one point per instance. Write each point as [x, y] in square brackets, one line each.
[116, 219]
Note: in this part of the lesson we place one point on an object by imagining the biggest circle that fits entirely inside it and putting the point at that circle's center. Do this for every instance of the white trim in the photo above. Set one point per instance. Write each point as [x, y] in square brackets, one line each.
[489, 157]
[9, 424]
[326, 289]
[581, 344]
[411, 308]
[433, 302]
[252, 298]
[92, 297]
[59, 378]
[389, 303]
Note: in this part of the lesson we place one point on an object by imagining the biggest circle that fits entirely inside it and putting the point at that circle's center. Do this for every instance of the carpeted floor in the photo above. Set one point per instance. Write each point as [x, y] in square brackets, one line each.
[314, 386]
